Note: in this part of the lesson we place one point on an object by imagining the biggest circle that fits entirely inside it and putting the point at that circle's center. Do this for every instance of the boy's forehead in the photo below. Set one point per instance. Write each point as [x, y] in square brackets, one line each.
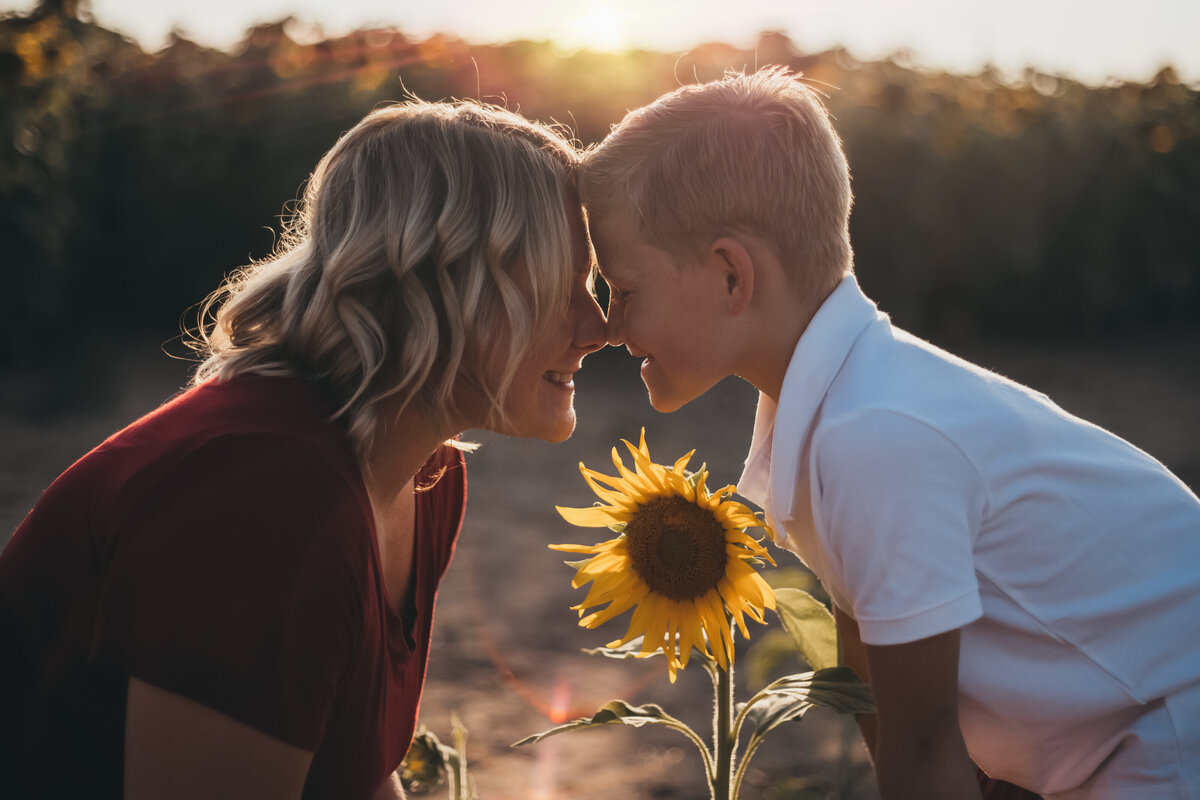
[613, 233]
[623, 252]
[617, 218]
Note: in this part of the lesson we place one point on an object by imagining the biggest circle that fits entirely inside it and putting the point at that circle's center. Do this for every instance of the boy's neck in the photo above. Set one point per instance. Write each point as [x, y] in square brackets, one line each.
[768, 367]
[773, 343]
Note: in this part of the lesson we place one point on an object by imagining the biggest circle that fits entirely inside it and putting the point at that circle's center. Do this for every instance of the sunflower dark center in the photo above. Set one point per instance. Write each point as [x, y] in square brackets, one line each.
[676, 547]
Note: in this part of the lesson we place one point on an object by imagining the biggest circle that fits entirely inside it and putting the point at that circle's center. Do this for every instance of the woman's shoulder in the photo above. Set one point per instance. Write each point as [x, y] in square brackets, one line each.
[249, 403]
[281, 424]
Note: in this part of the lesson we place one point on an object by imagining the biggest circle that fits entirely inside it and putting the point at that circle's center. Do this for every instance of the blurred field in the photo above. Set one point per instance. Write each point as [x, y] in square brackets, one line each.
[985, 208]
[985, 205]
[506, 644]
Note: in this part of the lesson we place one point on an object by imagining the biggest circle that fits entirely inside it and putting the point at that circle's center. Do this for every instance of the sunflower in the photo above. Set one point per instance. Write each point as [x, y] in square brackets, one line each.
[682, 560]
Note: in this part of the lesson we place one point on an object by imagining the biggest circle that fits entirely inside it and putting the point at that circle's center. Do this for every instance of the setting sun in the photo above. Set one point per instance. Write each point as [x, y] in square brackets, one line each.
[599, 26]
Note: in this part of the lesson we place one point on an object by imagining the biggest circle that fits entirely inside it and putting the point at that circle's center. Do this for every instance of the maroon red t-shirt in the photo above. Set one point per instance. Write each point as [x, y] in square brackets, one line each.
[222, 548]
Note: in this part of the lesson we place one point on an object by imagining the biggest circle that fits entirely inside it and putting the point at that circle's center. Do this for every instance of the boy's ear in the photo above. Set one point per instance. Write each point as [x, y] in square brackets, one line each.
[737, 268]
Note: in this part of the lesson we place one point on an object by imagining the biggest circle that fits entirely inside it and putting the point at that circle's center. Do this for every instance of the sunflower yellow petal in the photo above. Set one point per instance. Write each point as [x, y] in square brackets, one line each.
[681, 463]
[651, 474]
[598, 566]
[673, 661]
[718, 610]
[575, 548]
[681, 632]
[692, 628]
[750, 585]
[735, 604]
[604, 588]
[686, 490]
[615, 609]
[713, 622]
[591, 517]
[615, 590]
[734, 517]
[641, 489]
[610, 497]
[615, 484]
[656, 623]
[655, 471]
[637, 620]
[734, 536]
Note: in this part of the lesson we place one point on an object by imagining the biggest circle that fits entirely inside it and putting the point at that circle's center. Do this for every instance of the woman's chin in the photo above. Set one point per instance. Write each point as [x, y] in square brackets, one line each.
[556, 431]
[549, 426]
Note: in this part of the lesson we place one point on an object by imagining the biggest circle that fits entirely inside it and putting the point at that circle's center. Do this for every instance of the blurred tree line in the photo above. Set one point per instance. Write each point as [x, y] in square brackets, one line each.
[131, 182]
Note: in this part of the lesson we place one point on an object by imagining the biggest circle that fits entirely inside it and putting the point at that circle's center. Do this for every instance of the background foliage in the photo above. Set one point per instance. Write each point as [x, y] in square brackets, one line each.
[131, 182]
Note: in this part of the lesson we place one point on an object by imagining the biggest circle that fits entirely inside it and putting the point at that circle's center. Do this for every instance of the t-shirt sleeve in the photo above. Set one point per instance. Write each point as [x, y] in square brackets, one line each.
[237, 579]
[899, 506]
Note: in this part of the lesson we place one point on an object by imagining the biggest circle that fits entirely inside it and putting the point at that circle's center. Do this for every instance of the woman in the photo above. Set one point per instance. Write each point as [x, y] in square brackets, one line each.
[232, 597]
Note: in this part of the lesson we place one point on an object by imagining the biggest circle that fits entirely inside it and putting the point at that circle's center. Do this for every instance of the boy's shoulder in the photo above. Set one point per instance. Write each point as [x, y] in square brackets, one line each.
[888, 370]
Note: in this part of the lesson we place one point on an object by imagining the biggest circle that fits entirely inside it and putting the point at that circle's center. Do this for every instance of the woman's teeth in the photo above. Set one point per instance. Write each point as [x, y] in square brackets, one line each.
[559, 377]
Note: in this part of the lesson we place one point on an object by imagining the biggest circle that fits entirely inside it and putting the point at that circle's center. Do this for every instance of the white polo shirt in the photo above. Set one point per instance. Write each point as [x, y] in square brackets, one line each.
[929, 494]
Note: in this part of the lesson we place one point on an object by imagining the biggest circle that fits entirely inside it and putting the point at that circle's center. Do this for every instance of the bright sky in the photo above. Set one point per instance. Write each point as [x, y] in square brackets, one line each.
[1092, 40]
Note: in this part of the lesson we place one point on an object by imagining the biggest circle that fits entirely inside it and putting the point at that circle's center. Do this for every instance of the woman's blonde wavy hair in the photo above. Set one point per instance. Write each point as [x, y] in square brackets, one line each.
[402, 261]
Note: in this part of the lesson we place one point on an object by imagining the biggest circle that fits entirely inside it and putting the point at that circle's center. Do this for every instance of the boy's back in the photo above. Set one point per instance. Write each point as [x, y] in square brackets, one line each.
[929, 494]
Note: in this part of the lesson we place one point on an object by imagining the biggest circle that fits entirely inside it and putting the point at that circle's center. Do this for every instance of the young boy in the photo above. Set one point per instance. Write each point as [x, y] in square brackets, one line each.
[1016, 584]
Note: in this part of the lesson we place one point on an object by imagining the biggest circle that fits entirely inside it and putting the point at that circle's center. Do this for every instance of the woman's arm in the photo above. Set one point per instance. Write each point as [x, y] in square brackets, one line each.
[919, 750]
[178, 748]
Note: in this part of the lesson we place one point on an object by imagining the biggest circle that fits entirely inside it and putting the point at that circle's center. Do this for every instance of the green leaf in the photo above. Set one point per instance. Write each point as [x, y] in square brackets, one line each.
[773, 710]
[796, 577]
[811, 627]
[840, 689]
[837, 688]
[631, 649]
[614, 712]
[771, 653]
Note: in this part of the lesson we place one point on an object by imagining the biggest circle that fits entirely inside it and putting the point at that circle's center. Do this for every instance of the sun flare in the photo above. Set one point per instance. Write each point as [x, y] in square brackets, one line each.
[599, 26]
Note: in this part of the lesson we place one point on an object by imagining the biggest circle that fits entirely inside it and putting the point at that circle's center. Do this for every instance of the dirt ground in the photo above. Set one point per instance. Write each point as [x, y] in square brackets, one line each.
[507, 654]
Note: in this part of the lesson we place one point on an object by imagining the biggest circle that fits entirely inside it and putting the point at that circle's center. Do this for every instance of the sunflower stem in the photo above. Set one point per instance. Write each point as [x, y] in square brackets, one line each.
[751, 748]
[723, 743]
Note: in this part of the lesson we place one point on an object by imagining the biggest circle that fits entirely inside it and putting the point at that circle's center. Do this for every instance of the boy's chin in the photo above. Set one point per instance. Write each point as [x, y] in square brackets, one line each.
[665, 403]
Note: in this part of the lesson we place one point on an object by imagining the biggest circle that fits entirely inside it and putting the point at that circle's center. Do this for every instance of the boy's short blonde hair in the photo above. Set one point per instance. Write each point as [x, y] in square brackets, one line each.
[753, 154]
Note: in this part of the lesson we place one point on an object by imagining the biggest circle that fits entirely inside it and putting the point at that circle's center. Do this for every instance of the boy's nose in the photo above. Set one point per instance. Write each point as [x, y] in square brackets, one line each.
[615, 335]
[590, 326]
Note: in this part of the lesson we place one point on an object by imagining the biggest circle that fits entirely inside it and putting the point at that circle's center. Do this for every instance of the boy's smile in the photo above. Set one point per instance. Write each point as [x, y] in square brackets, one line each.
[664, 310]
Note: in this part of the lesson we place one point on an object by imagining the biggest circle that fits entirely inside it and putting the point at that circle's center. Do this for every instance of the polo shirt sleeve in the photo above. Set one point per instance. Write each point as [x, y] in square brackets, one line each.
[899, 507]
[237, 578]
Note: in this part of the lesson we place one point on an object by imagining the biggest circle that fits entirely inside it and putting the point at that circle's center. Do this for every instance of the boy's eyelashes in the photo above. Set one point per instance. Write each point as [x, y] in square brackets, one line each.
[613, 291]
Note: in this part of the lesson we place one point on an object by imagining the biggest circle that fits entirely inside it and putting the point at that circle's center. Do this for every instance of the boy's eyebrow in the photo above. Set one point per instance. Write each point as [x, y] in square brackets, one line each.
[601, 274]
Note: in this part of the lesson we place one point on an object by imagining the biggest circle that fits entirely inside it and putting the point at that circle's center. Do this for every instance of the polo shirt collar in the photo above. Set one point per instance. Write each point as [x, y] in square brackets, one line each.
[769, 478]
